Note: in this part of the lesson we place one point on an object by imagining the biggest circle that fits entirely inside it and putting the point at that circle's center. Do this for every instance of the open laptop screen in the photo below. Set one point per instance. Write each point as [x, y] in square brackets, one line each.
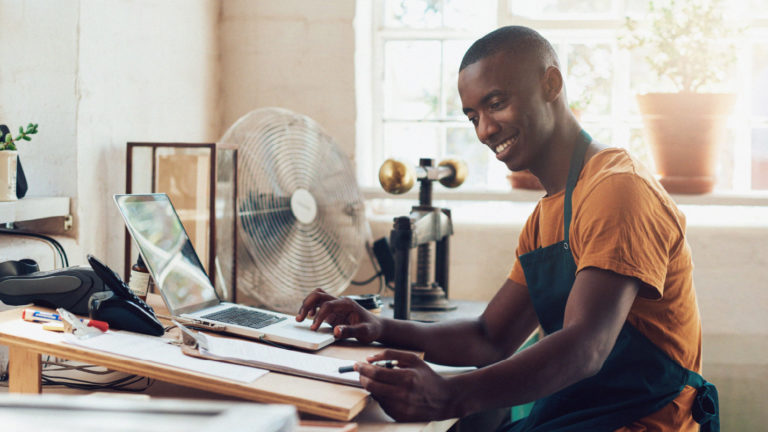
[167, 251]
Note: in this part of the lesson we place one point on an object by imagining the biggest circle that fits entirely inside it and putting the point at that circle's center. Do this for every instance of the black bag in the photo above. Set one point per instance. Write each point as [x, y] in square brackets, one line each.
[21, 179]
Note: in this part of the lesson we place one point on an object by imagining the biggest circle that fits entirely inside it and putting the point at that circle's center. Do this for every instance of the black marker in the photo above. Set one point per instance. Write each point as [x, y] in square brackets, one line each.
[389, 364]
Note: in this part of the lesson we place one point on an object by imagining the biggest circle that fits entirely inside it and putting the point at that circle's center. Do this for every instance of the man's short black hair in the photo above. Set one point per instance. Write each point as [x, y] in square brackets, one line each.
[512, 39]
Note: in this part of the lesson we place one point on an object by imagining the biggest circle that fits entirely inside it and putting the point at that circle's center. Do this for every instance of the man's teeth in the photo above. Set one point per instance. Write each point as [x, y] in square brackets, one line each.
[503, 146]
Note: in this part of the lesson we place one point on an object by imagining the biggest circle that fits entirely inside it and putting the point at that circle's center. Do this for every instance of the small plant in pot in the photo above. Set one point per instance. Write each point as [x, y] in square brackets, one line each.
[689, 44]
[10, 168]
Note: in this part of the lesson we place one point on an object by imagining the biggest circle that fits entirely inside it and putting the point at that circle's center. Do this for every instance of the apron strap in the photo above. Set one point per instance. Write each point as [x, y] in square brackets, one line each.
[577, 160]
[705, 409]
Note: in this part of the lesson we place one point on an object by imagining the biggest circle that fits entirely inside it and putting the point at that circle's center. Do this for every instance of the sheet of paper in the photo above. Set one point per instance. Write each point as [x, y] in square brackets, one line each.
[157, 350]
[280, 359]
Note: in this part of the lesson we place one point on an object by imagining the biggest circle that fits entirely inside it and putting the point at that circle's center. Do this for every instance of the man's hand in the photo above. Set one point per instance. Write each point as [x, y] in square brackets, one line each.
[346, 316]
[412, 391]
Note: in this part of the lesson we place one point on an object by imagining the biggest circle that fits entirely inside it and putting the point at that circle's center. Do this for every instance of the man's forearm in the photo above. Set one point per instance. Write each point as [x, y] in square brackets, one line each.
[552, 364]
[455, 343]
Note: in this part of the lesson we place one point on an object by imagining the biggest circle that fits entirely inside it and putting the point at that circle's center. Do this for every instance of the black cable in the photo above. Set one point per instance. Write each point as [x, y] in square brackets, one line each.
[53, 367]
[51, 240]
[367, 281]
[370, 279]
[118, 384]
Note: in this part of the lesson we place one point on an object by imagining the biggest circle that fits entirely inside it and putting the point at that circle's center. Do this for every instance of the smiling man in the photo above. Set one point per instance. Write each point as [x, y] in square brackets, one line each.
[602, 266]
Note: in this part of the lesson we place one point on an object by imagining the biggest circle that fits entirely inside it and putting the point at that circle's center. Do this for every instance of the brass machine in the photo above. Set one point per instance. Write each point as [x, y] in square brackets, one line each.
[425, 224]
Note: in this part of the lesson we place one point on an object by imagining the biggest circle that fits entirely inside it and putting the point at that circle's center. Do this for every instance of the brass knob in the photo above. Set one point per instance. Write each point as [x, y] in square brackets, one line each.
[459, 172]
[396, 177]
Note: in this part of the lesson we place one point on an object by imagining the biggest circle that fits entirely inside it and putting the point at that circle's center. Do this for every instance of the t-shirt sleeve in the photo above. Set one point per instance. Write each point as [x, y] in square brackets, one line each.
[622, 226]
[525, 243]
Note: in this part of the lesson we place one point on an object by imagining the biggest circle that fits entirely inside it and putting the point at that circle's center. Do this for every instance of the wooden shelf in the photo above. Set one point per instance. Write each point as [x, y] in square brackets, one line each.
[33, 208]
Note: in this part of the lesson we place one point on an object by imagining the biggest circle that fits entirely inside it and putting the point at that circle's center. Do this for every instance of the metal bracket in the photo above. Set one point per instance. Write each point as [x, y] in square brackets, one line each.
[68, 221]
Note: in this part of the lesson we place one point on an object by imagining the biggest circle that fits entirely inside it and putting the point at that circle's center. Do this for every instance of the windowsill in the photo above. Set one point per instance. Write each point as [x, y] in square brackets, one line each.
[717, 210]
[758, 199]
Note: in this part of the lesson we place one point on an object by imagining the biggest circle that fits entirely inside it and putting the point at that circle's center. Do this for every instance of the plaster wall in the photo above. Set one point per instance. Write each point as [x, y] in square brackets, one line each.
[294, 54]
[148, 71]
[96, 74]
[38, 84]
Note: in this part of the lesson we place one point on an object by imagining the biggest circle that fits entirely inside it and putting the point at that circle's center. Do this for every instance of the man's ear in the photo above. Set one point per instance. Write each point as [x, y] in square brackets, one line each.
[552, 83]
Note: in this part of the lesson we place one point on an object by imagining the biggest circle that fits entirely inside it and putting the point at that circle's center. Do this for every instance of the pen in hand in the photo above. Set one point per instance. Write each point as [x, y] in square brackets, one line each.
[389, 364]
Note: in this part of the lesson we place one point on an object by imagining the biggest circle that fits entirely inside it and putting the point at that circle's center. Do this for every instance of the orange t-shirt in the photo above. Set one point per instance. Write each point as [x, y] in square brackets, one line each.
[625, 222]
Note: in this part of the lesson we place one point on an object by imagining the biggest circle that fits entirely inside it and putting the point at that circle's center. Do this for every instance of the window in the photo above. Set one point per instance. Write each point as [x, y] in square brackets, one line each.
[414, 110]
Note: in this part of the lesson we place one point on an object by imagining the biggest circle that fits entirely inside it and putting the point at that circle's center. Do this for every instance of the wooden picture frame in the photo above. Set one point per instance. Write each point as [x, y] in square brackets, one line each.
[187, 173]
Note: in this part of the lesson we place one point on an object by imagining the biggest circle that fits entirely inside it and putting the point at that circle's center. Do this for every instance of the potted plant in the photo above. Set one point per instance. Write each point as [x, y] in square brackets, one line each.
[689, 45]
[9, 160]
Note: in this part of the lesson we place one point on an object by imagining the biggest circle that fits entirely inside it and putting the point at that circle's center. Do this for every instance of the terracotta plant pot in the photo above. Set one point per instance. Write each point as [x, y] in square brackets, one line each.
[8, 175]
[524, 180]
[684, 132]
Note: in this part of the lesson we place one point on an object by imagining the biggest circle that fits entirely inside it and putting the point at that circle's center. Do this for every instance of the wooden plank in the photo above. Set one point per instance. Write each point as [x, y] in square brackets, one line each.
[24, 369]
[329, 400]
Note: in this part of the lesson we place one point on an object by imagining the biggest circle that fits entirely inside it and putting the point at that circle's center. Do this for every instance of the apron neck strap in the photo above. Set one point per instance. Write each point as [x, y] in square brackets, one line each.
[577, 160]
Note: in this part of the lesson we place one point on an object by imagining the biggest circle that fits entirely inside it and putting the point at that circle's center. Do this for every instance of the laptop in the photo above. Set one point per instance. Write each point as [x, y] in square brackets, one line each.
[186, 289]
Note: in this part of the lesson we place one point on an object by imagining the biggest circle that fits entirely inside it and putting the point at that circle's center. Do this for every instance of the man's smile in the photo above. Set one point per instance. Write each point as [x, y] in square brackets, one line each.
[501, 148]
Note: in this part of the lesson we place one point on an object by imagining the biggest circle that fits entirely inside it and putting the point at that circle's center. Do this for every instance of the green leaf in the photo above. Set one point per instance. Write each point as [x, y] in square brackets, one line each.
[26, 138]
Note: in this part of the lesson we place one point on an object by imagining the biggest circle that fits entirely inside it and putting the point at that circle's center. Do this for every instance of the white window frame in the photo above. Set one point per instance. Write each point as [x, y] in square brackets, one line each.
[371, 37]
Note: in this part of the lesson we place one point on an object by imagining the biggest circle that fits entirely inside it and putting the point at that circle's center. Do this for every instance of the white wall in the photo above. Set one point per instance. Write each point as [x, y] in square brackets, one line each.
[147, 71]
[38, 84]
[295, 54]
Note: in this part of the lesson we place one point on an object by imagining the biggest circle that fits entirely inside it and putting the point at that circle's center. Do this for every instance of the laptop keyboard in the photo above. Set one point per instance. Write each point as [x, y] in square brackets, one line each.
[244, 317]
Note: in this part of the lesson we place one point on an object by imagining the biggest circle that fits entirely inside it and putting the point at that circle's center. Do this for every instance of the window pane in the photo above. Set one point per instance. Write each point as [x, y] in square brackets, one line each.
[413, 13]
[643, 79]
[760, 159]
[758, 8]
[636, 8]
[601, 135]
[760, 79]
[412, 79]
[461, 142]
[638, 148]
[544, 8]
[725, 162]
[469, 14]
[453, 53]
[589, 78]
[411, 141]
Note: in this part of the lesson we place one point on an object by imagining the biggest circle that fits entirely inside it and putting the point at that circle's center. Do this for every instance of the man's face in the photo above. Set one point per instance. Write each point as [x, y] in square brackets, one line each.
[503, 98]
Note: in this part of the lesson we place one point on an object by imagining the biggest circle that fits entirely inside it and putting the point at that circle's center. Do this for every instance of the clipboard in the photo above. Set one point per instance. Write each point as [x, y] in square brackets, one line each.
[254, 354]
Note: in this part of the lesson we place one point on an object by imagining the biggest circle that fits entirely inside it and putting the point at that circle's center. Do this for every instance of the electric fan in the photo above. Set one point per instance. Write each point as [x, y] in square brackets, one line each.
[300, 217]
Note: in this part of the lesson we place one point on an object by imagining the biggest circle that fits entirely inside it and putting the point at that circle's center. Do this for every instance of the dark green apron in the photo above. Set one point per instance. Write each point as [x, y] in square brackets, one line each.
[636, 380]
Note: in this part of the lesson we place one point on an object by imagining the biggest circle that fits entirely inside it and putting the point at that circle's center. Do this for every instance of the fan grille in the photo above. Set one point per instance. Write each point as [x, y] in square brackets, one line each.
[283, 156]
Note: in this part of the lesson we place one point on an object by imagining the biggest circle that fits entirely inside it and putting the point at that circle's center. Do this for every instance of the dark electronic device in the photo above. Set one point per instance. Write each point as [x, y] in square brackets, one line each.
[368, 301]
[425, 225]
[383, 253]
[69, 288]
[120, 307]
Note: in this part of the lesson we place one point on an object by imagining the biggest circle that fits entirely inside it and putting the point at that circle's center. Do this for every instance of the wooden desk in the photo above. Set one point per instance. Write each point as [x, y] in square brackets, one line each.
[27, 341]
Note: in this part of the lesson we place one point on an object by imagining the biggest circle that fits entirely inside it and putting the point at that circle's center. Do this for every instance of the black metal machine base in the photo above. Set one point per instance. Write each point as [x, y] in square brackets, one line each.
[431, 298]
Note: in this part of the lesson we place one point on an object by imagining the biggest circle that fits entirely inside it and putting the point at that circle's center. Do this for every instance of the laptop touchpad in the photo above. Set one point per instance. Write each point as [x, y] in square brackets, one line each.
[302, 331]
